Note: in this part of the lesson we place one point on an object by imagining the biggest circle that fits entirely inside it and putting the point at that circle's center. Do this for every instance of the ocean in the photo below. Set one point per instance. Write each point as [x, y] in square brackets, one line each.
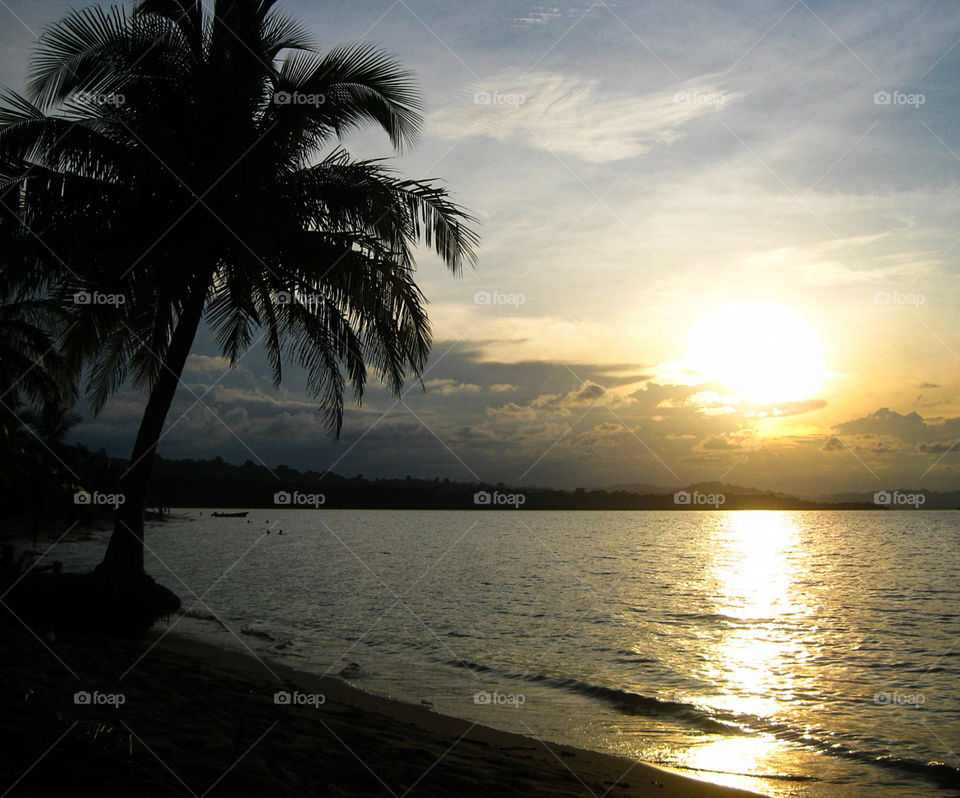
[791, 653]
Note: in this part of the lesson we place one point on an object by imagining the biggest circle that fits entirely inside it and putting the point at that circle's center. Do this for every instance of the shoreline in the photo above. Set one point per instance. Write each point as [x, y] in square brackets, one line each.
[195, 715]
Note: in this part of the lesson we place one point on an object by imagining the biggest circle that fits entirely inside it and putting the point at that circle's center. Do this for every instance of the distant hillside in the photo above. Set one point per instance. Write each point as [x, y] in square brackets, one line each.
[215, 483]
[932, 500]
[642, 488]
[218, 484]
[708, 487]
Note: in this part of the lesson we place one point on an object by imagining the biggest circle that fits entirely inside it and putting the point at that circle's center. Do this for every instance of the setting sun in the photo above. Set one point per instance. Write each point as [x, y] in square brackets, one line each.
[763, 351]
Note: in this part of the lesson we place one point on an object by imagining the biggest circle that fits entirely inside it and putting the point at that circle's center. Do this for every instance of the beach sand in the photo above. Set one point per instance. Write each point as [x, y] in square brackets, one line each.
[196, 719]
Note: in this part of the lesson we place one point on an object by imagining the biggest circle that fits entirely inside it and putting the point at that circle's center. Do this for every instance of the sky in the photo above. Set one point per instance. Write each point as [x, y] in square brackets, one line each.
[719, 242]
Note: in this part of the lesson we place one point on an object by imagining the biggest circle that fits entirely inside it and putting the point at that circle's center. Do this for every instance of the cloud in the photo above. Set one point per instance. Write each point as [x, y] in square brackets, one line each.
[447, 387]
[833, 445]
[512, 410]
[886, 430]
[537, 15]
[937, 448]
[910, 427]
[587, 392]
[573, 116]
[782, 409]
[205, 364]
[721, 444]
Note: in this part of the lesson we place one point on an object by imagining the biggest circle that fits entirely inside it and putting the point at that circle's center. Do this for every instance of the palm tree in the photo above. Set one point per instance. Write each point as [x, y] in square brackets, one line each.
[35, 399]
[168, 166]
[31, 376]
[49, 425]
[31, 368]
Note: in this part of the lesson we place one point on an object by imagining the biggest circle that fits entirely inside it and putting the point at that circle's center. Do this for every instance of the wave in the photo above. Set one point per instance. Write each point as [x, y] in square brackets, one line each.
[726, 723]
[258, 633]
[203, 616]
[624, 700]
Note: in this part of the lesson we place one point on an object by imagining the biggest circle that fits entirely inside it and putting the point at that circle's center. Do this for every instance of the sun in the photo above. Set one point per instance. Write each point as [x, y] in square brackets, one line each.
[762, 351]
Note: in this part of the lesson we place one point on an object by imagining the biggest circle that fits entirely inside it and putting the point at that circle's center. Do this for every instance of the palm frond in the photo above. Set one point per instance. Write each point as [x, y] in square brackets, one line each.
[355, 85]
[187, 15]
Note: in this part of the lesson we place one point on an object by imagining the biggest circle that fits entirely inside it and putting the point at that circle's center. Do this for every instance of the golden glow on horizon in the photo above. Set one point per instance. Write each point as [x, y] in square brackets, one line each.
[763, 351]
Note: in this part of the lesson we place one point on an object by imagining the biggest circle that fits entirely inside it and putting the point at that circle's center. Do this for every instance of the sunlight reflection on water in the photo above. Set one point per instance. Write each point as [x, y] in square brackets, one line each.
[753, 576]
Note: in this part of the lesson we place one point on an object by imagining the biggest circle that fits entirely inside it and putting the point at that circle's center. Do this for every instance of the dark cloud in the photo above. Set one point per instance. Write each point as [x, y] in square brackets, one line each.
[937, 448]
[911, 428]
[587, 391]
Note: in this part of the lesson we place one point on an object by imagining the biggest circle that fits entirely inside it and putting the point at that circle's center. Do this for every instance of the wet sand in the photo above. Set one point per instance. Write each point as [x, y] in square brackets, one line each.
[196, 719]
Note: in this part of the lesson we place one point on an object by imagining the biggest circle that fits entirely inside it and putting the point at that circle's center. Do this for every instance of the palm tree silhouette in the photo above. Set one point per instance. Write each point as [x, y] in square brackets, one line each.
[31, 368]
[167, 166]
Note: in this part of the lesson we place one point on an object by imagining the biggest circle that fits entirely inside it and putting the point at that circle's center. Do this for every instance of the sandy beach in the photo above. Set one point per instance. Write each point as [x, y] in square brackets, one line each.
[172, 716]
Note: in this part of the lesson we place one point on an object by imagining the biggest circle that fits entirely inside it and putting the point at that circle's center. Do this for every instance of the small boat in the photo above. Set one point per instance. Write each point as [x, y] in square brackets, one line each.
[244, 514]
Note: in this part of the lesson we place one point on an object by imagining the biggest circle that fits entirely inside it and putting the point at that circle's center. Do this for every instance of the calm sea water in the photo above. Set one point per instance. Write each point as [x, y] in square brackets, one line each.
[793, 653]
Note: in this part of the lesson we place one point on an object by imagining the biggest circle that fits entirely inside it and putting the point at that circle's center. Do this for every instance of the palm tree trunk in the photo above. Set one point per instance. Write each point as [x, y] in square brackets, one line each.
[124, 555]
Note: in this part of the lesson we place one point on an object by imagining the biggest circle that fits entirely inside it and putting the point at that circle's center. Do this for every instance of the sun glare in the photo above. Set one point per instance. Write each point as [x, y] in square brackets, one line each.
[763, 351]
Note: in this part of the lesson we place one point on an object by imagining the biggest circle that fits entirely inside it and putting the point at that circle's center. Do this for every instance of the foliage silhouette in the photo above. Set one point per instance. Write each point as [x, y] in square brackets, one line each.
[168, 166]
